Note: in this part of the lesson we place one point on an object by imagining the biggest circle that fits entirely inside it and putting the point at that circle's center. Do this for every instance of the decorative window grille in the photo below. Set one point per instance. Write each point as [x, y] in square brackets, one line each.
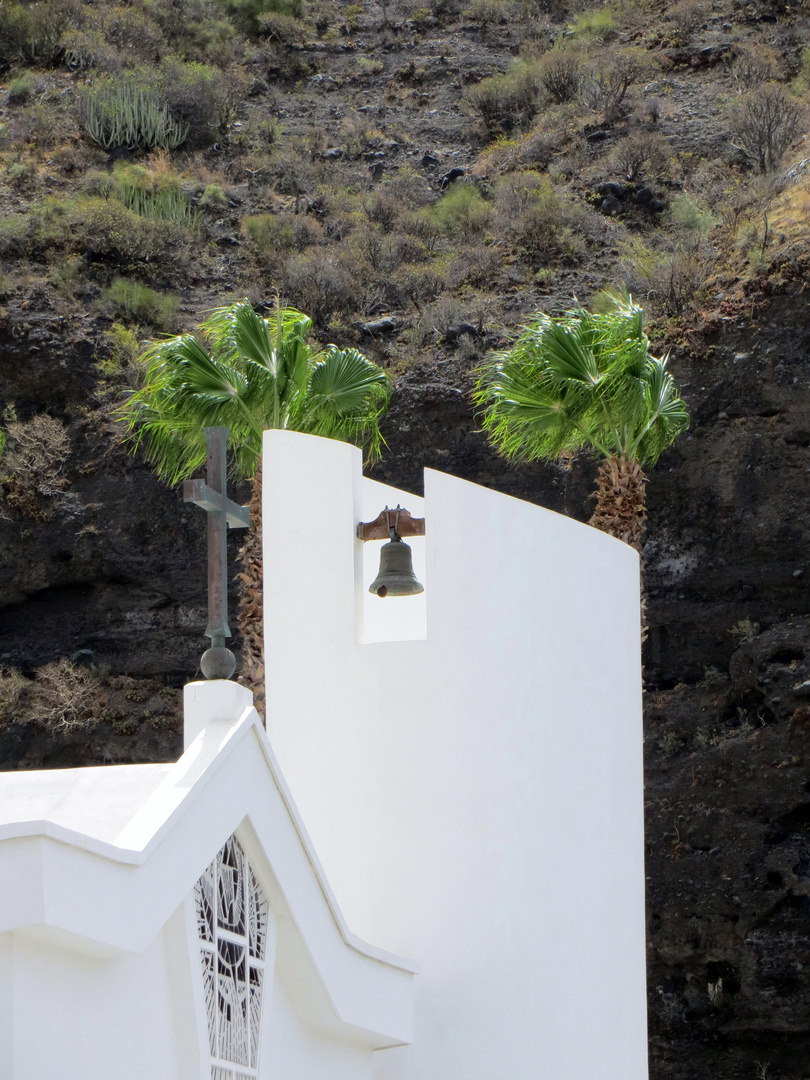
[232, 932]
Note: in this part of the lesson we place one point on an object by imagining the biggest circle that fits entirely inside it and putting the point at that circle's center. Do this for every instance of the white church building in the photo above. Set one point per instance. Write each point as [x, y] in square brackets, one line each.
[430, 866]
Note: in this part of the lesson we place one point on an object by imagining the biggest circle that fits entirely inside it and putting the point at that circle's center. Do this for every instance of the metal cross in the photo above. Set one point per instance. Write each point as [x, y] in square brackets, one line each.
[218, 662]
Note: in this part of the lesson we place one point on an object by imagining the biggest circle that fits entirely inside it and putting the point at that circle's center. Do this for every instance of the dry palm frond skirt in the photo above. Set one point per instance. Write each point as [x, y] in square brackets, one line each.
[250, 612]
[621, 510]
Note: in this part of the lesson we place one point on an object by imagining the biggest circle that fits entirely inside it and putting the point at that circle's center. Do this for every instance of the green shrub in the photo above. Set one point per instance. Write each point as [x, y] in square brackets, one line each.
[139, 192]
[15, 232]
[8, 283]
[246, 13]
[744, 632]
[105, 229]
[687, 212]
[281, 232]
[381, 250]
[22, 88]
[670, 744]
[541, 222]
[487, 13]
[204, 98]
[286, 30]
[113, 37]
[424, 284]
[594, 25]
[124, 114]
[463, 211]
[89, 48]
[803, 78]
[21, 173]
[209, 40]
[322, 285]
[52, 224]
[687, 16]
[382, 206]
[214, 196]
[508, 100]
[122, 350]
[44, 123]
[422, 224]
[560, 73]
[367, 66]
[138, 303]
[675, 280]
[66, 275]
[31, 32]
[476, 264]
[98, 182]
[645, 153]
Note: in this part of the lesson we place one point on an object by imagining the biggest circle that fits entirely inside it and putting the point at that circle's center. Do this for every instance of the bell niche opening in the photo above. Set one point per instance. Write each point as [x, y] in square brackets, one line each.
[392, 593]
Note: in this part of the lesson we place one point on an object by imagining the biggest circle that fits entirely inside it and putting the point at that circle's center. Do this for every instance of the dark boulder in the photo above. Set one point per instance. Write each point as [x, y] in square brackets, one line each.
[611, 205]
[610, 189]
[451, 177]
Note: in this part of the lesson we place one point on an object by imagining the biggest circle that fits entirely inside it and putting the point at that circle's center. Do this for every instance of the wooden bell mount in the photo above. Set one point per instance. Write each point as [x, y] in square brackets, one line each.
[379, 529]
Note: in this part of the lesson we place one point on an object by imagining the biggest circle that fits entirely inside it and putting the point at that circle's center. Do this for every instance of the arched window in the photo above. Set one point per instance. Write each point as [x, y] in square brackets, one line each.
[232, 932]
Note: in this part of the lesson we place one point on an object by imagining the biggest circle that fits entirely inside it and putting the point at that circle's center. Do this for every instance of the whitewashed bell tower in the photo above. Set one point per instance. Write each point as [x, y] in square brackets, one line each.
[468, 761]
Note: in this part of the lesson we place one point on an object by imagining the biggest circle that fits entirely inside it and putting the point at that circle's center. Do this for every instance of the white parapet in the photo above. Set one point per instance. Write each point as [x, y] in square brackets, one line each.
[215, 701]
[473, 790]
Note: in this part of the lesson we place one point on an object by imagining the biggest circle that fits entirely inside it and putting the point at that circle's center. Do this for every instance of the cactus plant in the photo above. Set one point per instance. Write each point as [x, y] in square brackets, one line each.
[126, 115]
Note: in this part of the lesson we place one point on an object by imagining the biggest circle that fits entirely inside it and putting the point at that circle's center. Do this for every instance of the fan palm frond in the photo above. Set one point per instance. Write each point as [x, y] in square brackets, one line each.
[256, 373]
[346, 396]
[586, 379]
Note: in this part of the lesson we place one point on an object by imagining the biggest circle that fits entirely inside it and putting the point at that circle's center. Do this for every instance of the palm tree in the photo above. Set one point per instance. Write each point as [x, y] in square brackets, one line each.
[586, 379]
[249, 373]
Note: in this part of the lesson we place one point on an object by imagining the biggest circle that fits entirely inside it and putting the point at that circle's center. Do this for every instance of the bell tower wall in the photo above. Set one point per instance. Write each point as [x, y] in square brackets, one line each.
[475, 794]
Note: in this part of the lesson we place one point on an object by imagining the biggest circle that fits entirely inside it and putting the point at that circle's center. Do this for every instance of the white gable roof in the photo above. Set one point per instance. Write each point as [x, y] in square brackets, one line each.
[102, 857]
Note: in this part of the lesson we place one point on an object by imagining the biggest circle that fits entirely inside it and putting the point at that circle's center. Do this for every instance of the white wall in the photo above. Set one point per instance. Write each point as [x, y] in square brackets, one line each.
[475, 797]
[6, 1005]
[292, 1051]
[78, 1017]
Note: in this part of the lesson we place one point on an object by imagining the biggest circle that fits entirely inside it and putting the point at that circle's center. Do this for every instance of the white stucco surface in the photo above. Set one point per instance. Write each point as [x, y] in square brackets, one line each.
[98, 932]
[475, 796]
[103, 1017]
[298, 1053]
[98, 802]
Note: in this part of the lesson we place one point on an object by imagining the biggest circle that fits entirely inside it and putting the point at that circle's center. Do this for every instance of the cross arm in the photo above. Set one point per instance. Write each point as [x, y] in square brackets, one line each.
[197, 491]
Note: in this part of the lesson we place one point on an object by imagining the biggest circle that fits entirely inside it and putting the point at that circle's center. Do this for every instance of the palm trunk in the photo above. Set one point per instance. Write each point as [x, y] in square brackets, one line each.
[621, 510]
[250, 612]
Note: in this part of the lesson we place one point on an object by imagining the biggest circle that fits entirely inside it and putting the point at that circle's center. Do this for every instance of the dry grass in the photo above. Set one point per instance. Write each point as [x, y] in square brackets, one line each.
[62, 695]
[791, 212]
[32, 468]
[69, 696]
[13, 689]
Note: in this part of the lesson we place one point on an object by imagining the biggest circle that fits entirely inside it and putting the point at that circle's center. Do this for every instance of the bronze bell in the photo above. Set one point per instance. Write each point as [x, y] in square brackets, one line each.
[396, 576]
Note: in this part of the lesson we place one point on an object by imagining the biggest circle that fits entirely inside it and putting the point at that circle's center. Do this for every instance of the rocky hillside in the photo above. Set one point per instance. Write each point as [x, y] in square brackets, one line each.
[420, 180]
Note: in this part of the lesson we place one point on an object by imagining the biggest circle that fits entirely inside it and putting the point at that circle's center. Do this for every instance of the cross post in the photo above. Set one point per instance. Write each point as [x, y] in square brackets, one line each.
[218, 662]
